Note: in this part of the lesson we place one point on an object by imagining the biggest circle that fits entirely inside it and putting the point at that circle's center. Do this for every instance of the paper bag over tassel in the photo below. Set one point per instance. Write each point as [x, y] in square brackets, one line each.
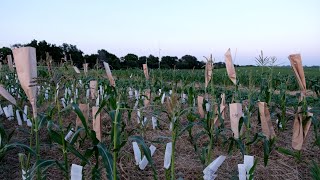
[200, 107]
[146, 100]
[84, 108]
[110, 77]
[145, 71]
[10, 63]
[26, 66]
[7, 95]
[208, 71]
[235, 115]
[222, 109]
[93, 89]
[266, 125]
[85, 68]
[96, 122]
[299, 131]
[230, 67]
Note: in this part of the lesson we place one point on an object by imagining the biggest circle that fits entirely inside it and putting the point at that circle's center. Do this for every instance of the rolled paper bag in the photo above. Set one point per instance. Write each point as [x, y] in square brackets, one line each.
[145, 71]
[163, 97]
[230, 67]
[167, 156]
[26, 65]
[4, 93]
[1, 111]
[76, 172]
[6, 112]
[110, 77]
[144, 162]
[96, 122]
[29, 123]
[146, 100]
[10, 111]
[248, 162]
[296, 64]
[76, 69]
[69, 135]
[214, 165]
[25, 113]
[85, 68]
[18, 118]
[154, 122]
[93, 89]
[84, 108]
[242, 172]
[10, 63]
[208, 71]
[266, 125]
[0, 66]
[136, 152]
[200, 108]
[235, 115]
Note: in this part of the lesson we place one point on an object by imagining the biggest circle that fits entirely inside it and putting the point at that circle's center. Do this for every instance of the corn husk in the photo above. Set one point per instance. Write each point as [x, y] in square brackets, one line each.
[208, 71]
[230, 67]
[266, 125]
[10, 63]
[235, 115]
[26, 66]
[93, 89]
[145, 71]
[200, 107]
[110, 77]
[146, 100]
[299, 131]
[96, 122]
[7, 95]
[84, 108]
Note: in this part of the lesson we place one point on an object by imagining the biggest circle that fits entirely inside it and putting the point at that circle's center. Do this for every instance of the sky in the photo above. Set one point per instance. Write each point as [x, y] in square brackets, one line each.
[170, 27]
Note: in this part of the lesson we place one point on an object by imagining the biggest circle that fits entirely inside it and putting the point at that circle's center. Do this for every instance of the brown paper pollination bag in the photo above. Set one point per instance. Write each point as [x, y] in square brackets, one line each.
[84, 108]
[200, 107]
[10, 63]
[208, 71]
[296, 63]
[110, 77]
[146, 100]
[299, 131]
[222, 109]
[26, 65]
[230, 67]
[93, 89]
[96, 122]
[235, 115]
[145, 71]
[266, 125]
[7, 95]
[85, 68]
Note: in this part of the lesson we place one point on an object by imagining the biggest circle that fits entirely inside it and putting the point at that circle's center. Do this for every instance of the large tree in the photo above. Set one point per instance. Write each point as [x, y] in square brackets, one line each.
[4, 51]
[130, 61]
[112, 59]
[168, 62]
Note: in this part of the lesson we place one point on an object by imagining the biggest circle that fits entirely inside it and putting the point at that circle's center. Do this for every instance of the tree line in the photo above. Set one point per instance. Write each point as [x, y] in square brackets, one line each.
[70, 53]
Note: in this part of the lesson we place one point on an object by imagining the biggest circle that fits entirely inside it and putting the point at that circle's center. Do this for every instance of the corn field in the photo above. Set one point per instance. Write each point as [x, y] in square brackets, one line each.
[62, 122]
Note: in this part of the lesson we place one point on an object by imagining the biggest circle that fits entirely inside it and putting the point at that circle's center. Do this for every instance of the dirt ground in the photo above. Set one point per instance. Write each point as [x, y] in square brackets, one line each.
[187, 162]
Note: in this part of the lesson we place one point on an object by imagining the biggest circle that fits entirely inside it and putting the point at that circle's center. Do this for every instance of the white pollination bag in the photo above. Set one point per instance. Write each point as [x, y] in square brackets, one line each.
[167, 155]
